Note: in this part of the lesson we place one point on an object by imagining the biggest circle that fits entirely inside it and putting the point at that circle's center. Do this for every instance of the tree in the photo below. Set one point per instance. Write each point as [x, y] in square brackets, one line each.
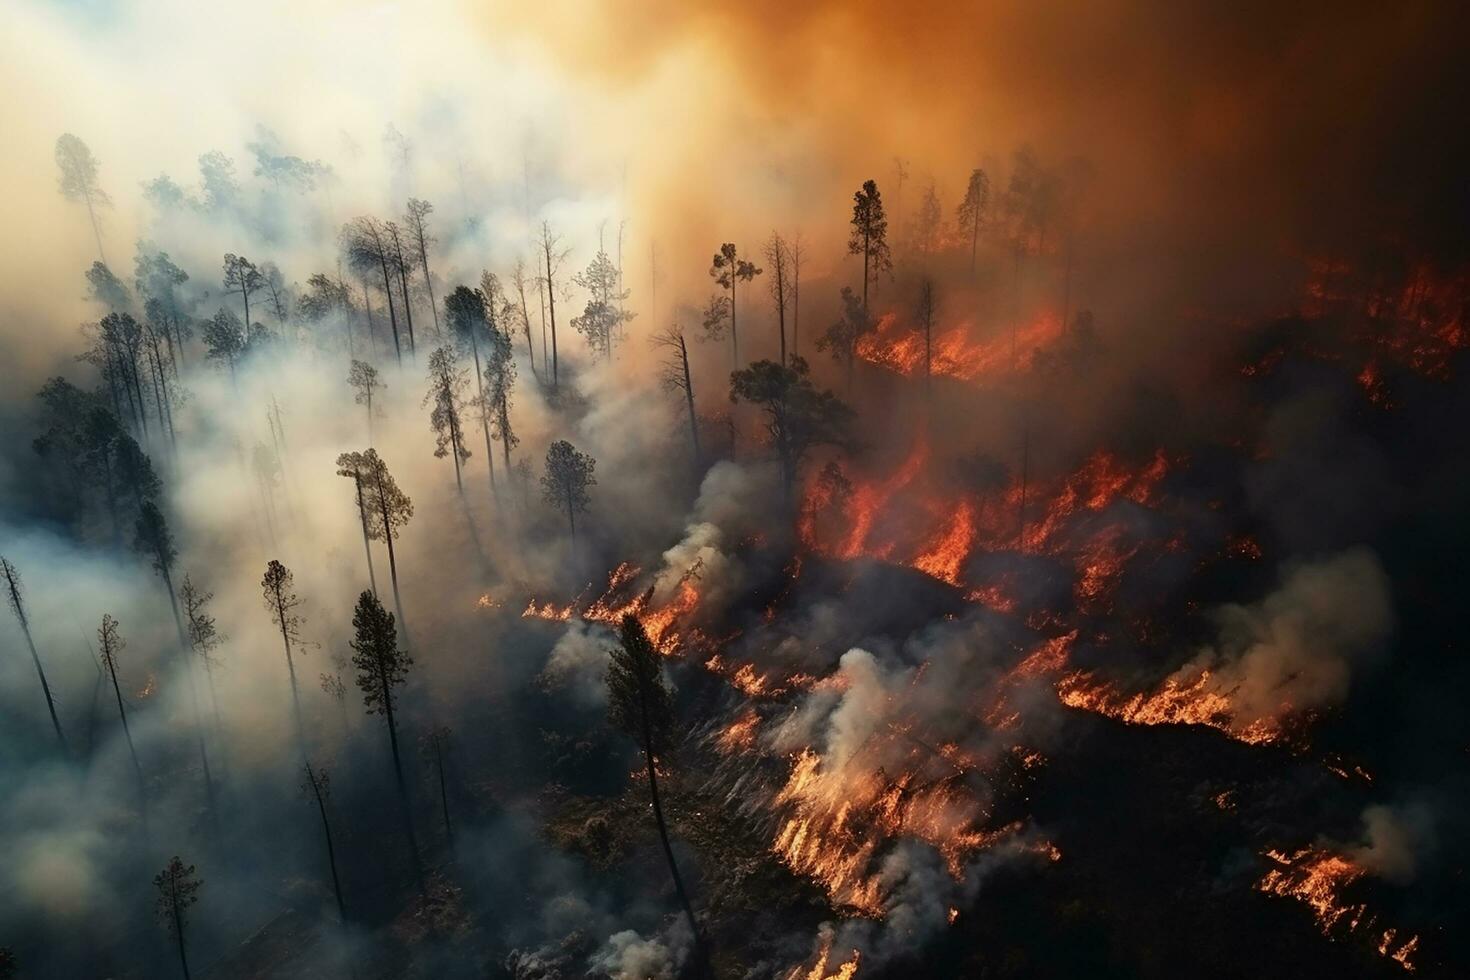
[728, 270]
[111, 643]
[382, 668]
[500, 370]
[401, 263]
[518, 279]
[13, 594]
[567, 477]
[278, 590]
[974, 209]
[79, 181]
[798, 416]
[603, 315]
[554, 255]
[365, 240]
[796, 248]
[217, 175]
[778, 257]
[106, 289]
[363, 378]
[435, 743]
[869, 236]
[419, 240]
[317, 788]
[153, 540]
[157, 279]
[467, 311]
[178, 889]
[841, 338]
[389, 509]
[326, 297]
[925, 316]
[674, 375]
[225, 339]
[204, 635]
[640, 705]
[447, 384]
[243, 277]
[354, 467]
[928, 222]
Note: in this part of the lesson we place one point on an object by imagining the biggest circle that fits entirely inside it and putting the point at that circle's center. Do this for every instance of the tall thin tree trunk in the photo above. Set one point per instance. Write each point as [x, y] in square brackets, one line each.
[122, 713]
[362, 514]
[392, 314]
[443, 791]
[178, 927]
[407, 308]
[689, 400]
[663, 830]
[96, 228]
[413, 842]
[25, 627]
[291, 669]
[551, 297]
[331, 852]
[484, 418]
[392, 564]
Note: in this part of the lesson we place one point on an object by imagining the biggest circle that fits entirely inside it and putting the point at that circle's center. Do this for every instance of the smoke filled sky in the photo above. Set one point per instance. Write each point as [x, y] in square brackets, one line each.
[779, 491]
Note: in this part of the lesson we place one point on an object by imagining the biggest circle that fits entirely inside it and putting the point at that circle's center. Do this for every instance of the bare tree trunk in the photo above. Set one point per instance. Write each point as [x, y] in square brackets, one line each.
[663, 830]
[484, 419]
[128, 734]
[392, 314]
[321, 807]
[413, 842]
[179, 928]
[689, 400]
[366, 548]
[46, 686]
[96, 228]
[443, 791]
[551, 297]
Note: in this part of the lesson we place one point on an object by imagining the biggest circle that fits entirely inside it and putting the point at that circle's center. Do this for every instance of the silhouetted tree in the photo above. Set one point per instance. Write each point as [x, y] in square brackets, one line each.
[567, 477]
[928, 222]
[110, 644]
[317, 787]
[603, 315]
[674, 375]
[400, 260]
[204, 636]
[974, 209]
[796, 249]
[353, 466]
[518, 280]
[79, 181]
[778, 258]
[925, 316]
[225, 339]
[467, 311]
[242, 276]
[639, 704]
[326, 297]
[435, 744]
[178, 889]
[500, 369]
[842, 337]
[153, 539]
[729, 270]
[389, 509]
[447, 384]
[869, 236]
[217, 175]
[798, 416]
[363, 378]
[278, 591]
[381, 668]
[369, 251]
[553, 255]
[419, 241]
[16, 599]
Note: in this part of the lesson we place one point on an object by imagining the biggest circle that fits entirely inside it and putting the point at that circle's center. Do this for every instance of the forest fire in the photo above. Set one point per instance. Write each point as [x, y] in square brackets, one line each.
[615, 602]
[924, 514]
[1317, 878]
[1178, 701]
[952, 354]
